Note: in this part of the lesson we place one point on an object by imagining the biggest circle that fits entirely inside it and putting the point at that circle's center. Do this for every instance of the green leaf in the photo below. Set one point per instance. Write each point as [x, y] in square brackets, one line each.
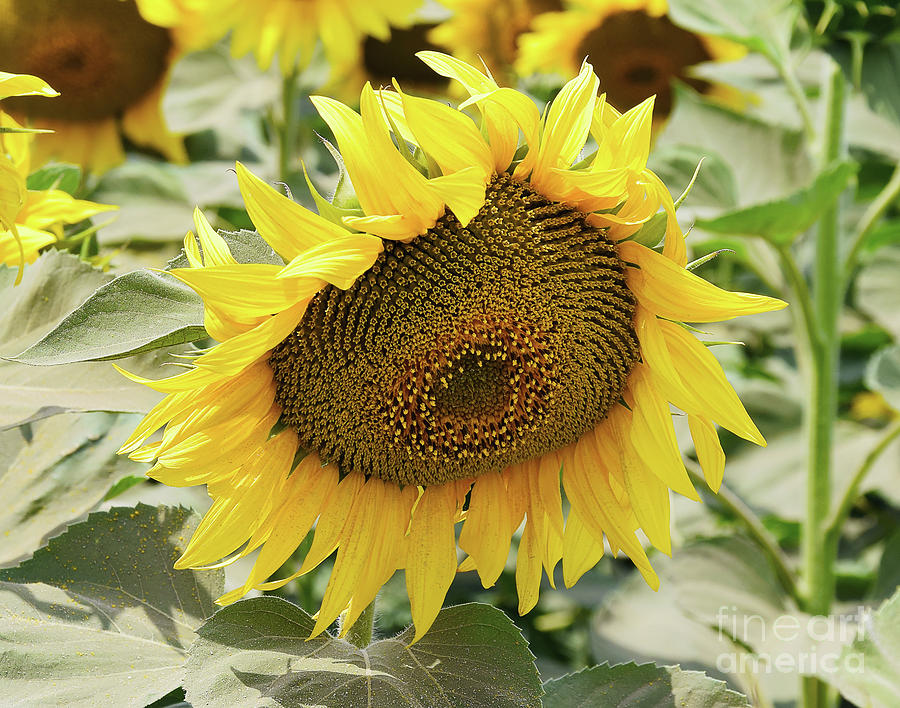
[209, 89]
[640, 686]
[61, 471]
[766, 162]
[652, 232]
[99, 616]
[123, 485]
[760, 25]
[888, 579]
[56, 176]
[153, 202]
[883, 374]
[136, 312]
[781, 221]
[52, 287]
[767, 478]
[878, 289]
[714, 186]
[869, 669]
[881, 64]
[246, 247]
[716, 606]
[473, 655]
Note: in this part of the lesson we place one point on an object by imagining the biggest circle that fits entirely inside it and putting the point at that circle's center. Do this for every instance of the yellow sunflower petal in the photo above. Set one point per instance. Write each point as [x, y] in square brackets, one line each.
[23, 85]
[235, 513]
[647, 494]
[431, 560]
[472, 79]
[304, 492]
[653, 436]
[215, 250]
[696, 362]
[486, 533]
[528, 570]
[332, 521]
[675, 293]
[709, 450]
[339, 262]
[590, 493]
[288, 227]
[447, 135]
[361, 545]
[369, 154]
[581, 551]
[566, 127]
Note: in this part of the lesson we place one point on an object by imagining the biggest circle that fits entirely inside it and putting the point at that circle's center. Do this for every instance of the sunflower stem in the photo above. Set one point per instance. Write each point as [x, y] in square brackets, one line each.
[287, 129]
[818, 553]
[360, 634]
[796, 91]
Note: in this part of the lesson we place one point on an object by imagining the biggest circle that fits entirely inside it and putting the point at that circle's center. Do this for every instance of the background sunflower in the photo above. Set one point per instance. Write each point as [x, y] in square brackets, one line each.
[110, 66]
[633, 44]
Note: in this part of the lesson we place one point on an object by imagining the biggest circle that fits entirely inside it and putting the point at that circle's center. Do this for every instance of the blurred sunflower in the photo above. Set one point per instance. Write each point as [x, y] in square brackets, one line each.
[480, 324]
[110, 66]
[292, 28]
[29, 219]
[488, 30]
[635, 48]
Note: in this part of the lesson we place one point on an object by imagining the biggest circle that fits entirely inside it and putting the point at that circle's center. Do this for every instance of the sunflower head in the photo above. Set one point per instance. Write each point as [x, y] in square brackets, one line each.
[480, 334]
[636, 50]
[110, 66]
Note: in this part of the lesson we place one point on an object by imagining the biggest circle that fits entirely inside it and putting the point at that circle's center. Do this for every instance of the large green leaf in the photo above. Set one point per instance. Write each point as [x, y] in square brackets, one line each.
[883, 374]
[714, 186]
[99, 616]
[53, 286]
[716, 606]
[57, 175]
[767, 162]
[640, 686]
[888, 578]
[878, 289]
[782, 220]
[209, 89]
[768, 479]
[246, 247]
[137, 312]
[257, 649]
[760, 25]
[65, 466]
[869, 669]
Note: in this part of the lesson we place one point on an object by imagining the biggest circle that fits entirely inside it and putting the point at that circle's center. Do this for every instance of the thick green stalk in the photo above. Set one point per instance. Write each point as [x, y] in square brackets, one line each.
[287, 129]
[821, 408]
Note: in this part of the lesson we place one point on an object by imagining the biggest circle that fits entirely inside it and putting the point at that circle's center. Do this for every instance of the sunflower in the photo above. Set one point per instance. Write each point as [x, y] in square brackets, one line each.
[635, 47]
[479, 329]
[292, 28]
[488, 30]
[110, 66]
[29, 219]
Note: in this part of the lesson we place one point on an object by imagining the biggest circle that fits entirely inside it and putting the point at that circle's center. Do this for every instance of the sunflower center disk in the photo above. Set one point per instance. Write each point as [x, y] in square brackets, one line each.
[637, 56]
[466, 350]
[101, 55]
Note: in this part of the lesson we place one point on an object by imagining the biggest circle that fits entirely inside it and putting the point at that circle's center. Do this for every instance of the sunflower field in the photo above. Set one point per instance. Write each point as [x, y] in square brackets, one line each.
[450, 353]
